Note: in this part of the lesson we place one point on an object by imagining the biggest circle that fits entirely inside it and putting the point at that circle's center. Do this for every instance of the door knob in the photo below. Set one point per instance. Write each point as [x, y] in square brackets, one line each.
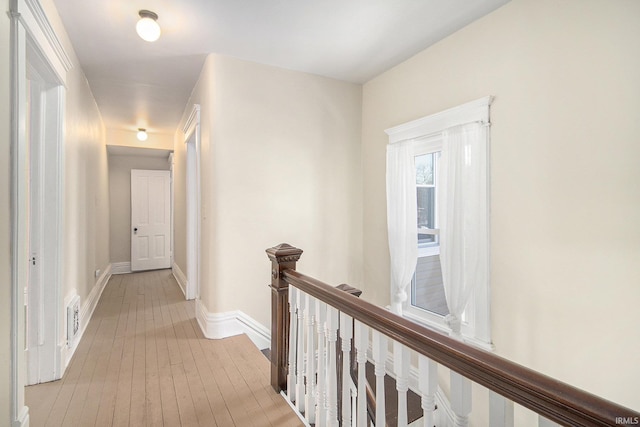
[135, 230]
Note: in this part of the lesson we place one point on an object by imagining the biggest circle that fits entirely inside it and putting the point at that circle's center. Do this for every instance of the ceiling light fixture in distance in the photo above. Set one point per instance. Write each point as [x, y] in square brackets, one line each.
[147, 27]
[142, 134]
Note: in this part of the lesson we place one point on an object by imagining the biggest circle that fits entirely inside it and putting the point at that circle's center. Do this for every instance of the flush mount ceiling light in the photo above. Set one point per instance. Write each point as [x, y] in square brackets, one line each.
[147, 27]
[142, 134]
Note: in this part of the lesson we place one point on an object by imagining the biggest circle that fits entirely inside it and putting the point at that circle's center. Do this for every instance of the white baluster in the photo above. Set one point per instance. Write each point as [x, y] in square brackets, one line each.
[300, 389]
[310, 403]
[361, 344]
[460, 399]
[354, 399]
[379, 358]
[321, 396]
[332, 383]
[401, 367]
[293, 346]
[500, 410]
[346, 334]
[428, 383]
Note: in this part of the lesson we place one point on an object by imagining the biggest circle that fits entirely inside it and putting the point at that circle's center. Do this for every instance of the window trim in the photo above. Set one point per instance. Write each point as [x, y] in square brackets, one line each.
[426, 134]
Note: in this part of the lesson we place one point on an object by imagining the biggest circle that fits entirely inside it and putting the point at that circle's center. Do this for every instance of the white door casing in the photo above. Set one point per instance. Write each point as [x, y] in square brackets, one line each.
[192, 142]
[150, 219]
[43, 296]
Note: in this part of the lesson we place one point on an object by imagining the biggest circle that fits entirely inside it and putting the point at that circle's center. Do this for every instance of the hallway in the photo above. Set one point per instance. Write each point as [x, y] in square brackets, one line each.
[144, 361]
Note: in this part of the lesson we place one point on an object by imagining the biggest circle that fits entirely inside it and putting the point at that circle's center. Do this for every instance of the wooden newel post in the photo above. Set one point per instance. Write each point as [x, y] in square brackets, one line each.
[282, 257]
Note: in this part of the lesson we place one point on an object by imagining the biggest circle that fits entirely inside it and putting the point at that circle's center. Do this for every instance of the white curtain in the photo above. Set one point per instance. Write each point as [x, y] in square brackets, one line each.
[401, 219]
[462, 214]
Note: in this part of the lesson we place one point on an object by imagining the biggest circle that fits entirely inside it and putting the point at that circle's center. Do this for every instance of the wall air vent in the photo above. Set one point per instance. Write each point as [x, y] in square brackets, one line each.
[73, 321]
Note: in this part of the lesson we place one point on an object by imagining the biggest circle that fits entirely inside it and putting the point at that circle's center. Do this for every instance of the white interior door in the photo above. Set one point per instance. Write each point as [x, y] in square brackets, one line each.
[150, 219]
[43, 305]
[35, 336]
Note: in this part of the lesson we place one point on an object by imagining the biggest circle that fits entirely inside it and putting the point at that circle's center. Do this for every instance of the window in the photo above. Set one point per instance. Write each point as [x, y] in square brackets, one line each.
[427, 290]
[426, 301]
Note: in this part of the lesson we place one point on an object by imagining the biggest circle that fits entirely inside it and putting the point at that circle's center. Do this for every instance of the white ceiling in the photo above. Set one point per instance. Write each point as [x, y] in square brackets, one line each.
[141, 84]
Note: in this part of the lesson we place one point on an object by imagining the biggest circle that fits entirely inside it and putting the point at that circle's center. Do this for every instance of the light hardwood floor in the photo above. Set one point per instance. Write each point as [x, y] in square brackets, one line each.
[144, 361]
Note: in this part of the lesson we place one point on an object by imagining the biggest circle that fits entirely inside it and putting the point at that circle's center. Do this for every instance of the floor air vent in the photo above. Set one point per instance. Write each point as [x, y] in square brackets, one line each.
[73, 320]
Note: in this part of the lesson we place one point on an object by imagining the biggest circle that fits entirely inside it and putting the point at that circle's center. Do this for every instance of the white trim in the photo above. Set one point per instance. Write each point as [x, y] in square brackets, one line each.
[231, 323]
[121, 267]
[33, 18]
[23, 418]
[86, 313]
[172, 213]
[193, 208]
[440, 326]
[192, 121]
[424, 134]
[19, 231]
[446, 417]
[477, 110]
[180, 277]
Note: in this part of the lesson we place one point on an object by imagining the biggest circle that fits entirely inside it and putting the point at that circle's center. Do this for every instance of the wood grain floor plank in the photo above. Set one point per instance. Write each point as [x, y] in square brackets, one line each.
[143, 361]
[45, 394]
[186, 408]
[96, 386]
[72, 377]
[153, 401]
[125, 375]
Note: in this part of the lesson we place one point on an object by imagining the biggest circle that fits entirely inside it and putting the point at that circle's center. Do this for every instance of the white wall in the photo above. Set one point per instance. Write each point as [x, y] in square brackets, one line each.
[86, 190]
[120, 200]
[86, 184]
[280, 163]
[5, 216]
[564, 173]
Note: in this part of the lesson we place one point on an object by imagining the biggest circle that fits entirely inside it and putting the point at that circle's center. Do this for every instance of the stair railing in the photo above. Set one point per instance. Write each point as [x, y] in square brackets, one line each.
[308, 316]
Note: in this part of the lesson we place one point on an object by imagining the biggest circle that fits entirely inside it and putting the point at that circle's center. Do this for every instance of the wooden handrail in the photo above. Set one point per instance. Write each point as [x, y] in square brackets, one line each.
[553, 399]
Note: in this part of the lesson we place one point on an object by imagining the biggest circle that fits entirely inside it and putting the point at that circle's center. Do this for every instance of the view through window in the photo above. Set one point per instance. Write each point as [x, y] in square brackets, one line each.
[427, 290]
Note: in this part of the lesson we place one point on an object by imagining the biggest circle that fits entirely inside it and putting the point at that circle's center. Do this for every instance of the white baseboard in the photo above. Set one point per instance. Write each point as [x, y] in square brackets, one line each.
[86, 312]
[121, 267]
[444, 414]
[231, 323]
[23, 418]
[180, 277]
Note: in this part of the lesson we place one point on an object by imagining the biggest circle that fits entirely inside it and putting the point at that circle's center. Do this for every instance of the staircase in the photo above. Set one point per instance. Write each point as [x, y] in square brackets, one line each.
[319, 332]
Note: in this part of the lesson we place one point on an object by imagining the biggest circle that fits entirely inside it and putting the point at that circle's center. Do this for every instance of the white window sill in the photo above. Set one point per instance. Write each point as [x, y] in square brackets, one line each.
[428, 251]
[439, 326]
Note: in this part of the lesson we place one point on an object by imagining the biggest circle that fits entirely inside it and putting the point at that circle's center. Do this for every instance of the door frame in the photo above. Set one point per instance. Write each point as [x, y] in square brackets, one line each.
[166, 196]
[44, 145]
[34, 41]
[193, 209]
